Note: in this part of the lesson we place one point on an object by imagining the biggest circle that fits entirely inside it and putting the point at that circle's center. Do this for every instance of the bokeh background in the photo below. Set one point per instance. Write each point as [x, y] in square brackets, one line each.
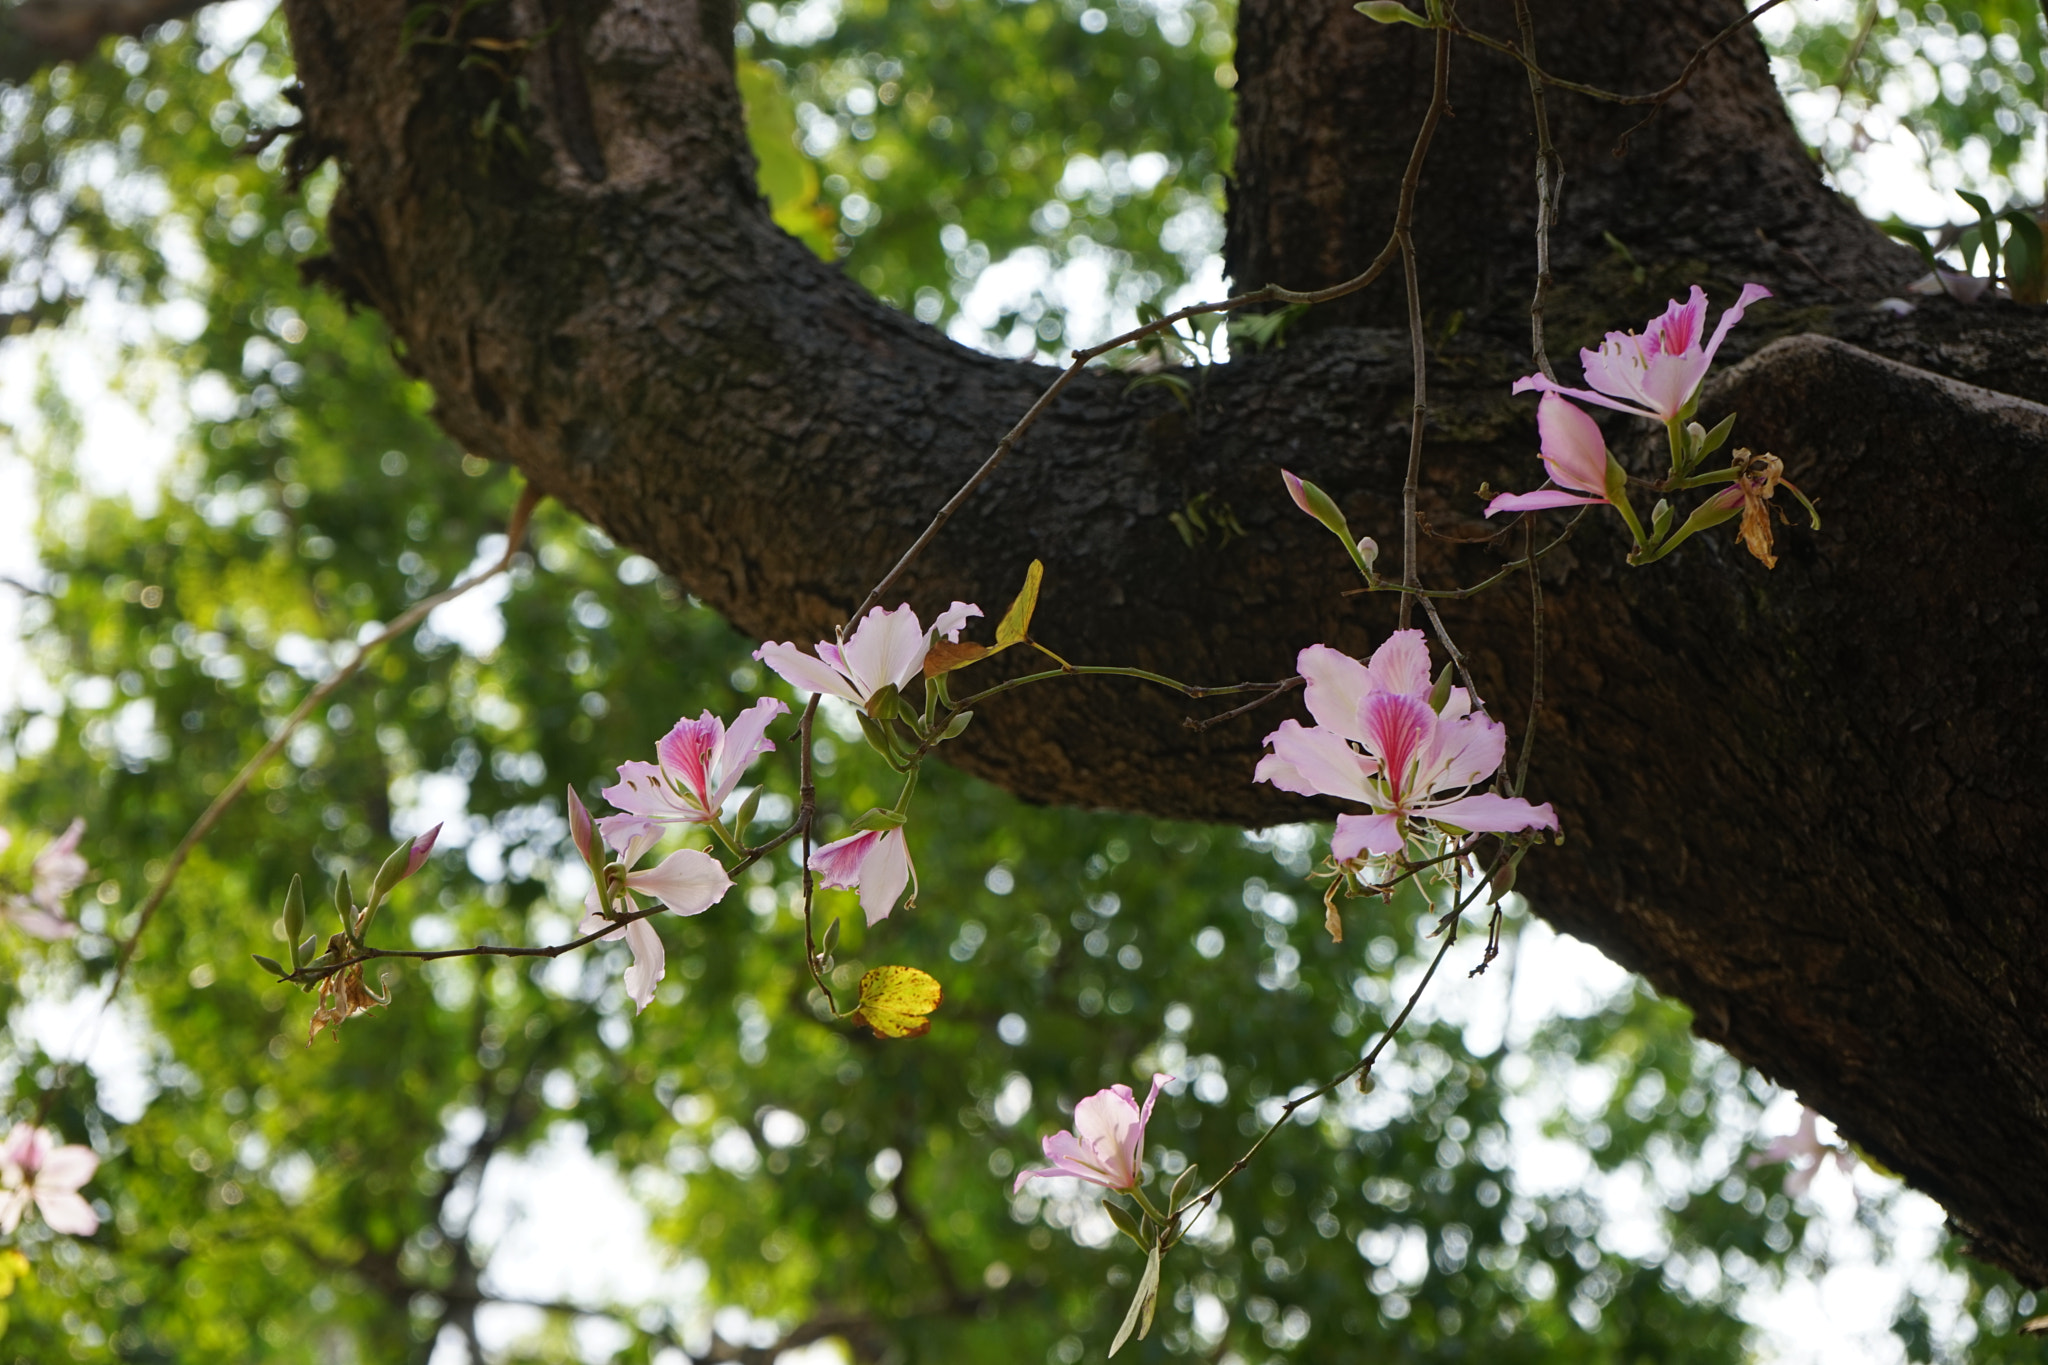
[216, 479]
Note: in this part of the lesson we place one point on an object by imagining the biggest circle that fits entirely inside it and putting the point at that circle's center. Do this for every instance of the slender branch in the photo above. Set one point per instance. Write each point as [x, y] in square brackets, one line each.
[1279, 690]
[1535, 668]
[807, 816]
[1419, 362]
[1549, 181]
[515, 531]
[1483, 584]
[1364, 1065]
[1656, 98]
[1118, 671]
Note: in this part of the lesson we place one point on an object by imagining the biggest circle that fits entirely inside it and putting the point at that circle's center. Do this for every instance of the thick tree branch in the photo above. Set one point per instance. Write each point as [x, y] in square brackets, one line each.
[39, 33]
[1806, 802]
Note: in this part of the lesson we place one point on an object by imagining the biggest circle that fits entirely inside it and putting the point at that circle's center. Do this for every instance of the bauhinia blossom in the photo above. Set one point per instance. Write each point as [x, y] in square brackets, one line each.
[887, 650]
[875, 863]
[1658, 373]
[1574, 452]
[55, 873]
[1807, 1153]
[34, 1169]
[1379, 742]
[686, 882]
[1107, 1144]
[699, 762]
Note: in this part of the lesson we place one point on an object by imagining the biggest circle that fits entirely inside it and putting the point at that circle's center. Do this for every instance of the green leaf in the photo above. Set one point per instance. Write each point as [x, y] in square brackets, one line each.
[1016, 622]
[958, 726]
[1440, 694]
[1126, 1221]
[878, 818]
[1911, 236]
[1716, 438]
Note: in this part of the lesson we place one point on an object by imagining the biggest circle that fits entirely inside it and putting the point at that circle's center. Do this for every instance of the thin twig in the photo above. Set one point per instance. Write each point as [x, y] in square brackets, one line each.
[1535, 668]
[1655, 98]
[1279, 690]
[1549, 181]
[515, 531]
[807, 817]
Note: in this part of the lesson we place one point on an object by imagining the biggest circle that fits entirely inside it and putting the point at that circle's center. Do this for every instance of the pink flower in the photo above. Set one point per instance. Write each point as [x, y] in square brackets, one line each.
[1656, 374]
[1807, 1153]
[887, 649]
[1378, 743]
[686, 882]
[34, 1169]
[59, 870]
[700, 762]
[1107, 1144]
[875, 862]
[1574, 452]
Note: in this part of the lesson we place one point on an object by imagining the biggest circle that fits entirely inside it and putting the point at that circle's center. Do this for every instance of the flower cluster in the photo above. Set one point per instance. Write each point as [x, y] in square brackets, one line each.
[1388, 739]
[1657, 375]
[870, 670]
[36, 1171]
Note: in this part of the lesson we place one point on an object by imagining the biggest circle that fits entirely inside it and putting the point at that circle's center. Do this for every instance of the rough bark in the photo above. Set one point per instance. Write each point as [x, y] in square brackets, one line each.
[1806, 802]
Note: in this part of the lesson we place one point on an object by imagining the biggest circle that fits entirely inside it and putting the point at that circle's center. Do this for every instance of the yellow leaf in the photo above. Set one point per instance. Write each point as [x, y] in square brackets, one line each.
[1016, 622]
[896, 1001]
[945, 656]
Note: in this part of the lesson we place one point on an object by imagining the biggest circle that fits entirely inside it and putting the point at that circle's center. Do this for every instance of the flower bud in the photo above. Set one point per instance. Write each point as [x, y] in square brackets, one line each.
[1317, 504]
[1368, 552]
[294, 914]
[1390, 12]
[958, 726]
[581, 830]
[746, 813]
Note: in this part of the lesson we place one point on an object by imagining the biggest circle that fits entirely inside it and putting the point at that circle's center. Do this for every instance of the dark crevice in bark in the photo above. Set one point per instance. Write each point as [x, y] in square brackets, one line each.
[1807, 802]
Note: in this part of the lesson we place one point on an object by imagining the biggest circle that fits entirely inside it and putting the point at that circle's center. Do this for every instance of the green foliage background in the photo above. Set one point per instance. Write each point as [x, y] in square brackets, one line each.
[277, 1202]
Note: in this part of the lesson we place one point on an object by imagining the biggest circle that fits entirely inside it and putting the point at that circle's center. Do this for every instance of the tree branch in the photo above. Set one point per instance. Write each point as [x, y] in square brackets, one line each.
[39, 33]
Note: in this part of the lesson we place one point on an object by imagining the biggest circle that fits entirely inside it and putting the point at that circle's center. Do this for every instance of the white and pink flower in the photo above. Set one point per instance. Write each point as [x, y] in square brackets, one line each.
[1106, 1146]
[1806, 1153]
[54, 874]
[886, 650]
[699, 763]
[686, 882]
[1378, 742]
[35, 1170]
[1574, 452]
[1658, 373]
[874, 862]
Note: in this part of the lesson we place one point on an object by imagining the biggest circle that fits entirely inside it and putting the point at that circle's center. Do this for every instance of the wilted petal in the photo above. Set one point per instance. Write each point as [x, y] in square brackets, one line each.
[1490, 814]
[802, 671]
[1379, 835]
[688, 881]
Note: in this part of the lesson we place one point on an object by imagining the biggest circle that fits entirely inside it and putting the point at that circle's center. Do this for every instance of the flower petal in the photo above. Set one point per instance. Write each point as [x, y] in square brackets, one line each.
[802, 671]
[884, 874]
[1316, 762]
[951, 622]
[66, 1212]
[745, 740]
[1401, 664]
[641, 791]
[1490, 814]
[1398, 731]
[1468, 751]
[1751, 293]
[1573, 449]
[1536, 383]
[1379, 835]
[1538, 501]
[1337, 685]
[838, 863]
[650, 963]
[889, 647]
[687, 881]
[66, 1168]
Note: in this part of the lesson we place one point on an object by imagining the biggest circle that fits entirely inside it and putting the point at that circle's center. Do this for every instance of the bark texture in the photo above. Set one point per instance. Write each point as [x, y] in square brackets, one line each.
[1807, 802]
[39, 33]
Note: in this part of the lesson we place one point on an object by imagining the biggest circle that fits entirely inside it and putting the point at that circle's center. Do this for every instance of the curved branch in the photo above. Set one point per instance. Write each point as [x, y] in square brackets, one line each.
[39, 33]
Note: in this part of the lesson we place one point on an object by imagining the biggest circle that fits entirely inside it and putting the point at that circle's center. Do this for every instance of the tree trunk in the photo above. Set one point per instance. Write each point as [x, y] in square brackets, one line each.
[1807, 802]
